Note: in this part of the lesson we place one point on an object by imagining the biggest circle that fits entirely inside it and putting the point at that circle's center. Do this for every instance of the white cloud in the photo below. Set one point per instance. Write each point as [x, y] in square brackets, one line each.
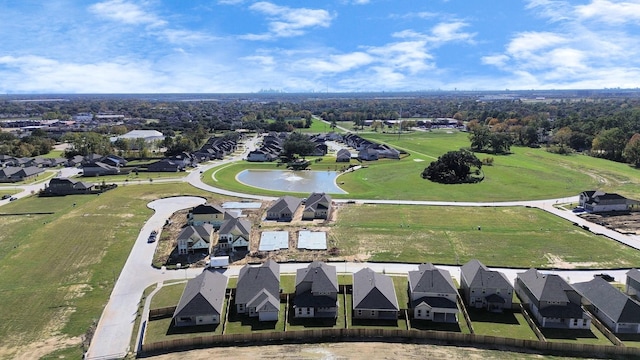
[609, 12]
[337, 63]
[450, 31]
[126, 12]
[527, 43]
[288, 22]
[496, 60]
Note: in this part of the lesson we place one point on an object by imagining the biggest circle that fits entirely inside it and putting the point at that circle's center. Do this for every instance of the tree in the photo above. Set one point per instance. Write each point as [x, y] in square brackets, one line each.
[632, 150]
[500, 143]
[610, 144]
[479, 137]
[299, 144]
[455, 167]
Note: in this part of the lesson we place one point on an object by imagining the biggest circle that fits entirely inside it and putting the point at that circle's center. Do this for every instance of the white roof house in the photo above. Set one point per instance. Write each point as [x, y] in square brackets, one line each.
[148, 135]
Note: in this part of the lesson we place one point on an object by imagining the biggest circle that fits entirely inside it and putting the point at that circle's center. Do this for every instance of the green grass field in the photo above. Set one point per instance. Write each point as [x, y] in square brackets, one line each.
[511, 236]
[508, 324]
[526, 174]
[58, 269]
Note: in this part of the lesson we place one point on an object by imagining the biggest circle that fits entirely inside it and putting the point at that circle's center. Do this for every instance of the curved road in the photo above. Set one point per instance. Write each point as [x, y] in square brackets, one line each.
[113, 333]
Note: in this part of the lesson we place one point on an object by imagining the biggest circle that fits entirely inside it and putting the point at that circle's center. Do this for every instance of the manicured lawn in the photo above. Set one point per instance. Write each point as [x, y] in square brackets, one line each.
[593, 336]
[163, 330]
[288, 284]
[59, 269]
[168, 295]
[630, 339]
[507, 324]
[526, 174]
[510, 236]
[53, 154]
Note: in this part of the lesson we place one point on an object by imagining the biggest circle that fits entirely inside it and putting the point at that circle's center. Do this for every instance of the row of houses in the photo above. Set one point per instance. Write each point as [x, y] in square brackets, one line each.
[369, 150]
[14, 173]
[12, 161]
[316, 206]
[272, 147]
[432, 296]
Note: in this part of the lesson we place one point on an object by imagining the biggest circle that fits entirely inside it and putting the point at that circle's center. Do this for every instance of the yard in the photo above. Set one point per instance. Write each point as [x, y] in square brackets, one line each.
[58, 269]
[507, 324]
[526, 174]
[509, 236]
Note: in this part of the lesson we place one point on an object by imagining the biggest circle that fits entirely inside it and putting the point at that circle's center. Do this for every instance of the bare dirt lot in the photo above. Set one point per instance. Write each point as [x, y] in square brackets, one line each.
[624, 223]
[351, 350]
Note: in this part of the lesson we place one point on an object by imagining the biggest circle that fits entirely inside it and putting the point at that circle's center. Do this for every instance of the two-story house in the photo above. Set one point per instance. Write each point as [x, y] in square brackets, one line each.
[206, 214]
[195, 238]
[316, 291]
[484, 288]
[258, 291]
[551, 300]
[317, 206]
[234, 234]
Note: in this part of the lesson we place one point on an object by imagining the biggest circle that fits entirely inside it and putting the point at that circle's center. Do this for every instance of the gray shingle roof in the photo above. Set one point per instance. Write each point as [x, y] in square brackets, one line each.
[617, 305]
[203, 294]
[287, 202]
[430, 279]
[317, 201]
[373, 291]
[203, 231]
[323, 277]
[230, 223]
[545, 287]
[479, 276]
[252, 281]
[634, 274]
[435, 302]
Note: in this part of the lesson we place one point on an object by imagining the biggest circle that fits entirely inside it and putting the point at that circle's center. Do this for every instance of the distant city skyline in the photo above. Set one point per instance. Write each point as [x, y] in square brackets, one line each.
[238, 46]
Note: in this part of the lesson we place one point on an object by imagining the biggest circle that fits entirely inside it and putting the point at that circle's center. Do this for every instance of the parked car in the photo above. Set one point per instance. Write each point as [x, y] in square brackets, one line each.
[578, 210]
[5, 197]
[605, 277]
[152, 236]
[13, 199]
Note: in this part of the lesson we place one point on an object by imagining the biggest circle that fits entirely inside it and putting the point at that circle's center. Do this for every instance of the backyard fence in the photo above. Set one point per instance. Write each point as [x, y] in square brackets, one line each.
[336, 335]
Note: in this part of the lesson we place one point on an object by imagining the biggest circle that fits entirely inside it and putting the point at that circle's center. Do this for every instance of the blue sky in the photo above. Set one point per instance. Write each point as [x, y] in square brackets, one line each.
[198, 46]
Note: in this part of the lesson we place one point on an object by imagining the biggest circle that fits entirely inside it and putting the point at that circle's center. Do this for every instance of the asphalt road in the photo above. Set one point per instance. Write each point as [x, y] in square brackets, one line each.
[112, 336]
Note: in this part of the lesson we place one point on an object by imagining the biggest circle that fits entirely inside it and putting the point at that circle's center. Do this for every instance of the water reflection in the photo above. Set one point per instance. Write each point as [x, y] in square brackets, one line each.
[292, 181]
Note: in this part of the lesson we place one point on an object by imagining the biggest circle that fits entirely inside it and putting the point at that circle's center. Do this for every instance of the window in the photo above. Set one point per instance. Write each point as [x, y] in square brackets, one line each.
[359, 312]
[419, 312]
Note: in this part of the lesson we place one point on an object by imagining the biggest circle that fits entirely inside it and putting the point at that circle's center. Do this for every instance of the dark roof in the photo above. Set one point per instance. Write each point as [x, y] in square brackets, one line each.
[287, 202]
[545, 287]
[479, 276]
[253, 281]
[207, 209]
[609, 300]
[429, 279]
[323, 277]
[317, 200]
[76, 184]
[230, 223]
[373, 291]
[435, 302]
[203, 294]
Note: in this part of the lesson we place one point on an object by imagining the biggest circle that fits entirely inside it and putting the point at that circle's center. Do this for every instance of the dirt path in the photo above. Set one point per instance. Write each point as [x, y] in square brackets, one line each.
[352, 350]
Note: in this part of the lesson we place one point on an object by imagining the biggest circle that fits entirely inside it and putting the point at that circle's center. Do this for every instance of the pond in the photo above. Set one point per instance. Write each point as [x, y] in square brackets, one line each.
[292, 181]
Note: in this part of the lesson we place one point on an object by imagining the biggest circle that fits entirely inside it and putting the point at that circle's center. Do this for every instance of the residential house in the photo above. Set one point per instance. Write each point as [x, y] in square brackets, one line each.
[484, 288]
[195, 238]
[316, 291]
[374, 296]
[165, 165]
[114, 160]
[202, 300]
[258, 291]
[633, 283]
[368, 154]
[284, 208]
[598, 201]
[343, 155]
[612, 307]
[260, 156]
[234, 234]
[99, 169]
[551, 300]
[206, 214]
[16, 173]
[432, 294]
[317, 206]
[75, 161]
[65, 186]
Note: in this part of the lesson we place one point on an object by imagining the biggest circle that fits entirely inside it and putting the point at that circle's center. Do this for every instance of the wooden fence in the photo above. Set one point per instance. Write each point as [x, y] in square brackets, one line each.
[337, 335]
[161, 313]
